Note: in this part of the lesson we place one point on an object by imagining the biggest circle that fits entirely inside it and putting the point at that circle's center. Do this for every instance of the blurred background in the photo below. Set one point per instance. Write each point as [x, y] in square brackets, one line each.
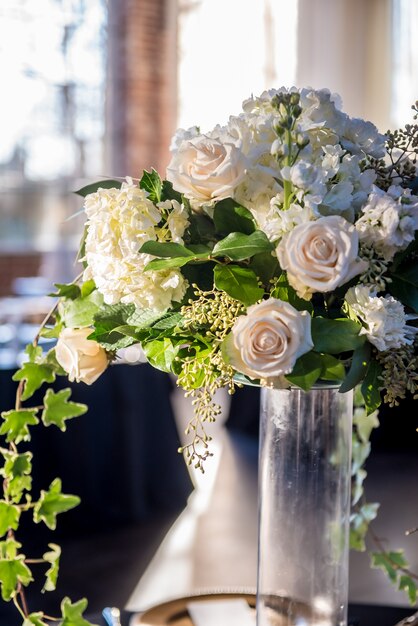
[96, 89]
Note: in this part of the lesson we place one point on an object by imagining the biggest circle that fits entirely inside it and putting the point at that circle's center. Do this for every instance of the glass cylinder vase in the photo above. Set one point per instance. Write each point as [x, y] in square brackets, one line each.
[304, 506]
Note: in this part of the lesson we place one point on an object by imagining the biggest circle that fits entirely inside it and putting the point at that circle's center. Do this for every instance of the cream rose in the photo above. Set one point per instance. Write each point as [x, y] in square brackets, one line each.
[84, 360]
[320, 255]
[267, 341]
[206, 169]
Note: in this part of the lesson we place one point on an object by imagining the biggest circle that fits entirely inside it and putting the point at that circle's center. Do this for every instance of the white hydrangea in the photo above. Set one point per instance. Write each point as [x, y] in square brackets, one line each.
[388, 221]
[383, 318]
[119, 222]
[361, 136]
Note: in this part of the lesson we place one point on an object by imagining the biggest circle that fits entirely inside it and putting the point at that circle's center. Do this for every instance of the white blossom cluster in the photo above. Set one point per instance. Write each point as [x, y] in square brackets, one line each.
[119, 222]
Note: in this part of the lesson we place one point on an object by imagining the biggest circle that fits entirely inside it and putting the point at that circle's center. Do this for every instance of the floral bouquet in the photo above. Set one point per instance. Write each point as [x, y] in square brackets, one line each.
[280, 250]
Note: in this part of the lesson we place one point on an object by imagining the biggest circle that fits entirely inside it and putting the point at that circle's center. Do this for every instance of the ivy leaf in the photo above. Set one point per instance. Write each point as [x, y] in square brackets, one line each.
[73, 613]
[365, 423]
[102, 184]
[13, 572]
[9, 549]
[80, 313]
[152, 183]
[16, 424]
[231, 217]
[9, 517]
[51, 503]
[406, 583]
[17, 469]
[70, 291]
[160, 353]
[389, 562]
[370, 387]
[57, 408]
[35, 619]
[238, 282]
[34, 375]
[336, 336]
[51, 574]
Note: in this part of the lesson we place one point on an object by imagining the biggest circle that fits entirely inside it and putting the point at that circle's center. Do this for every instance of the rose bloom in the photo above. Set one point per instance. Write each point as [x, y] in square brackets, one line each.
[83, 359]
[267, 341]
[320, 255]
[206, 169]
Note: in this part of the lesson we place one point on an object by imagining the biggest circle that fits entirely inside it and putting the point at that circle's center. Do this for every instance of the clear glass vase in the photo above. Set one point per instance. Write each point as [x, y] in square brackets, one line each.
[304, 506]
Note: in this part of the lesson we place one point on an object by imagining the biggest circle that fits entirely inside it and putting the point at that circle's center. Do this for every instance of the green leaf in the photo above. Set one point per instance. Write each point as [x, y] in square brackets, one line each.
[152, 183]
[35, 619]
[34, 375]
[70, 291]
[238, 282]
[283, 291]
[80, 313]
[358, 367]
[16, 424]
[52, 557]
[73, 613]
[51, 503]
[162, 264]
[266, 266]
[9, 549]
[231, 217]
[102, 184]
[17, 469]
[160, 353]
[169, 193]
[57, 408]
[201, 228]
[9, 517]
[332, 368]
[165, 250]
[306, 371]
[238, 246]
[389, 562]
[170, 320]
[365, 423]
[406, 583]
[13, 572]
[336, 336]
[370, 388]
[87, 288]
[143, 318]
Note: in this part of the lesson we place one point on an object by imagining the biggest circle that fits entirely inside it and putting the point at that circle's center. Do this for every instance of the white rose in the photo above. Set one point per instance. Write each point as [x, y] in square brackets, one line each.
[267, 341]
[205, 169]
[84, 360]
[320, 255]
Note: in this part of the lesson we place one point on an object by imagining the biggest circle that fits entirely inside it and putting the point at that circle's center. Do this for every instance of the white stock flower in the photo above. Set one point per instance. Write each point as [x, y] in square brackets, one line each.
[388, 221]
[280, 222]
[383, 318]
[205, 169]
[320, 255]
[120, 221]
[84, 360]
[266, 342]
[362, 136]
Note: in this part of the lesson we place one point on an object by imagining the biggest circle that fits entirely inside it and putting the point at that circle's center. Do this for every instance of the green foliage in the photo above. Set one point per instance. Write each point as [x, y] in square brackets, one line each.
[13, 570]
[51, 575]
[34, 375]
[358, 368]
[16, 471]
[238, 282]
[231, 217]
[395, 566]
[404, 287]
[266, 267]
[102, 184]
[334, 336]
[58, 409]
[9, 517]
[70, 291]
[80, 313]
[407, 583]
[283, 291]
[152, 183]
[51, 503]
[360, 521]
[370, 387]
[16, 424]
[35, 619]
[161, 353]
[73, 613]
[312, 366]
[238, 247]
